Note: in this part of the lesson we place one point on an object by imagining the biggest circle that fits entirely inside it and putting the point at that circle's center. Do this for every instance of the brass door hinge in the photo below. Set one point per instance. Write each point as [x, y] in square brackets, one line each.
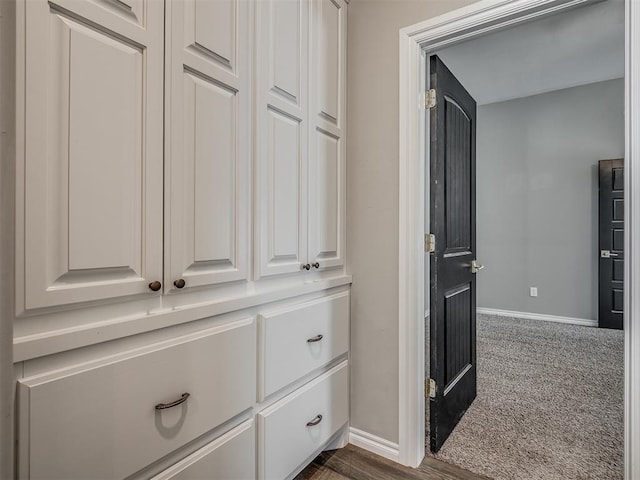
[430, 388]
[429, 242]
[430, 99]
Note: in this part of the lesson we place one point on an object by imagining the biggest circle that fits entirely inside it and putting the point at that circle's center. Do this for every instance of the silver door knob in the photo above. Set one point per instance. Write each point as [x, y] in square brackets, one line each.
[476, 267]
[607, 254]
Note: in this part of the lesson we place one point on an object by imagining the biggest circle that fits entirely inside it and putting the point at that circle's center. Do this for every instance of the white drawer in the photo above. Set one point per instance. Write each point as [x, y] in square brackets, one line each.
[100, 421]
[286, 352]
[230, 457]
[285, 439]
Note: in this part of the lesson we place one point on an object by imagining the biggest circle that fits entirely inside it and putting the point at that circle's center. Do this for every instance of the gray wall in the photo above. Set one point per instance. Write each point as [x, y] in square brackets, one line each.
[372, 203]
[537, 197]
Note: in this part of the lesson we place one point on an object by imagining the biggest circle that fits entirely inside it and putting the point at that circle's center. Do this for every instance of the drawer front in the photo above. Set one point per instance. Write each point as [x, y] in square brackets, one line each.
[230, 457]
[286, 440]
[287, 354]
[101, 422]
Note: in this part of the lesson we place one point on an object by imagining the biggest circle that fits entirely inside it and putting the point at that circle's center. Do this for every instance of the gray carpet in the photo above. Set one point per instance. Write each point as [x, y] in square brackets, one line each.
[549, 404]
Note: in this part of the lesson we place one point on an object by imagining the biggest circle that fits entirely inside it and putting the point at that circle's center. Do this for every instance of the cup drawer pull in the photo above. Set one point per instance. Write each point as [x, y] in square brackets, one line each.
[182, 399]
[315, 421]
[317, 338]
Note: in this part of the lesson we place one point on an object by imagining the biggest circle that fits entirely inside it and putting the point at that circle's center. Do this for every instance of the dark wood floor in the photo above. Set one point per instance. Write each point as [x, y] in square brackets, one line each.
[353, 463]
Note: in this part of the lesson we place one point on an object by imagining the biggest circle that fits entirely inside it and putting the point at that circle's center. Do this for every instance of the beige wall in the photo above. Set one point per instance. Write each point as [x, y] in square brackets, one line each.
[372, 203]
[7, 175]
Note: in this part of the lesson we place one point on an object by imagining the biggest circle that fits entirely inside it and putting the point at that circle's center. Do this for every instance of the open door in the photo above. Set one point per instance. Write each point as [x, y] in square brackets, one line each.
[452, 259]
[611, 251]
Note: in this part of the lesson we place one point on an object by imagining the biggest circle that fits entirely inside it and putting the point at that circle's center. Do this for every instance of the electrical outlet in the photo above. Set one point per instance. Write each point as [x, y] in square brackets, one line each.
[533, 291]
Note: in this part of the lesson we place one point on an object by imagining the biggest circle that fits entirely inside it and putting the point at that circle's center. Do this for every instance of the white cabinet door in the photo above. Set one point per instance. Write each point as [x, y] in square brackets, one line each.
[208, 142]
[327, 167]
[92, 211]
[281, 153]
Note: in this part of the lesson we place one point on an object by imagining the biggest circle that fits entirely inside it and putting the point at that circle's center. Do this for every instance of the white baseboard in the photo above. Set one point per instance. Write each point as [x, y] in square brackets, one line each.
[539, 316]
[374, 444]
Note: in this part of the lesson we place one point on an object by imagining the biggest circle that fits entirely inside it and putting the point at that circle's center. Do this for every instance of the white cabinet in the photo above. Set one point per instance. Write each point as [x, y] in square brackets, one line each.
[98, 420]
[301, 343]
[300, 158]
[296, 341]
[327, 167]
[92, 172]
[207, 142]
[302, 422]
[281, 155]
[230, 457]
[104, 120]
[179, 163]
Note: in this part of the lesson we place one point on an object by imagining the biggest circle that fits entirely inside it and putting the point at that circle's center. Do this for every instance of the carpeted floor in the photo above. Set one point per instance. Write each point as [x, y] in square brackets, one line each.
[549, 404]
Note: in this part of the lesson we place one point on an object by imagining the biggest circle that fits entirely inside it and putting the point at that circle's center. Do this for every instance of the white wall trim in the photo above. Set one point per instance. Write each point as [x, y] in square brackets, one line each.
[415, 43]
[632, 241]
[585, 322]
[374, 444]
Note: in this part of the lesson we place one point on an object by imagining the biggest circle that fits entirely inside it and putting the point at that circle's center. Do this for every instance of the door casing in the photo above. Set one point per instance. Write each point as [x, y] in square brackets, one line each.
[417, 42]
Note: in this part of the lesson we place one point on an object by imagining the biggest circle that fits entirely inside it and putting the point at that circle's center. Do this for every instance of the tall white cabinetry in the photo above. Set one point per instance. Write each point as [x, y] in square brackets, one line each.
[327, 153]
[182, 304]
[301, 73]
[208, 136]
[92, 199]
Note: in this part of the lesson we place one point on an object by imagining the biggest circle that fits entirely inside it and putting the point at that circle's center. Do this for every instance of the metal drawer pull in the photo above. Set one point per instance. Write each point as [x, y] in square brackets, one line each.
[182, 399]
[315, 421]
[317, 338]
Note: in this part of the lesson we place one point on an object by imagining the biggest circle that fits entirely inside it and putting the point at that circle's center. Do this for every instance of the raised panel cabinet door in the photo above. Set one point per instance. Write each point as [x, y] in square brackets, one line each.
[282, 118]
[208, 143]
[91, 204]
[327, 168]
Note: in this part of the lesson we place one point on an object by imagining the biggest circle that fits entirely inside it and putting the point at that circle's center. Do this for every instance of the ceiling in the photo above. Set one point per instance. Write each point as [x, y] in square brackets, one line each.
[582, 46]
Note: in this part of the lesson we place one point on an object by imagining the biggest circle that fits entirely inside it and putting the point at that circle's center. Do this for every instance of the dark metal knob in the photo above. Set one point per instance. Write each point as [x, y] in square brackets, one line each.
[306, 267]
[180, 283]
[155, 286]
[315, 265]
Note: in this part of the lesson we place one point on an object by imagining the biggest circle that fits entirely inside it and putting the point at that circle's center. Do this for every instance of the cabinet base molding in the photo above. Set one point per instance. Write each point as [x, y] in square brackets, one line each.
[374, 444]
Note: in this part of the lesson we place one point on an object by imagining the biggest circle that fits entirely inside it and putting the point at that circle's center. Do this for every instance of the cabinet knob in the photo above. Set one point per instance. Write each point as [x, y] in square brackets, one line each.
[306, 266]
[315, 265]
[180, 283]
[155, 286]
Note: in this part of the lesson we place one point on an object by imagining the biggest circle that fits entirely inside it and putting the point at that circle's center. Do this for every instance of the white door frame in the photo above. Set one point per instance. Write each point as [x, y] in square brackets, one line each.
[416, 43]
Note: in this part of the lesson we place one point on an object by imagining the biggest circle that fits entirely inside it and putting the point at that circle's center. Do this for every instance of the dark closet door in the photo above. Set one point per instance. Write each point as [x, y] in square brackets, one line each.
[453, 266]
[611, 251]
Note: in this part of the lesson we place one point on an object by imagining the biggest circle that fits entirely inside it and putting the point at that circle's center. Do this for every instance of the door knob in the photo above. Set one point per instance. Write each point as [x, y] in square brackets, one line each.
[180, 283]
[476, 267]
[155, 286]
[315, 265]
[607, 254]
[306, 266]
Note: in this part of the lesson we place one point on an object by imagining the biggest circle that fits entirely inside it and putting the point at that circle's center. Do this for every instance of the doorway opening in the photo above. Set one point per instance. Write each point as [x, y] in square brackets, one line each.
[524, 172]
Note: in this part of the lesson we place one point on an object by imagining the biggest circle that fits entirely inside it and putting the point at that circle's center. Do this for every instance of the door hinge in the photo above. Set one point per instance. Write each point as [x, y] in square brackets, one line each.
[430, 388]
[430, 99]
[429, 242]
